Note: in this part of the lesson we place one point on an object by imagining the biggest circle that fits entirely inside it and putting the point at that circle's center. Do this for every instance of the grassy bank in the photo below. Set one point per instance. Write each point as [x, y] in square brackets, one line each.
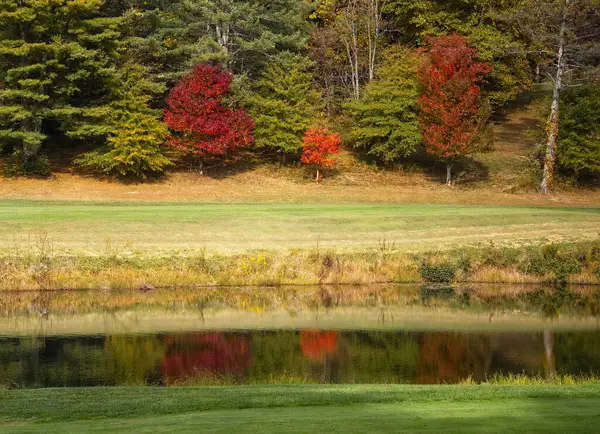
[43, 268]
[310, 408]
[229, 228]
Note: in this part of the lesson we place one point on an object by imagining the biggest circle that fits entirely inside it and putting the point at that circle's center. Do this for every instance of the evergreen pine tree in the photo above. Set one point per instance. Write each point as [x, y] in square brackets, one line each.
[56, 63]
[386, 119]
[284, 104]
[137, 134]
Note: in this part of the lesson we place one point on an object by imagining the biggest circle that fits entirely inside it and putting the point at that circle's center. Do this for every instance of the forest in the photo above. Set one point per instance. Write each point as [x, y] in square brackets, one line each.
[128, 88]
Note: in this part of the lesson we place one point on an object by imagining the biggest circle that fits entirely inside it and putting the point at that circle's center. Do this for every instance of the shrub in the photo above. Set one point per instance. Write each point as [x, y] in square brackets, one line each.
[38, 165]
[440, 273]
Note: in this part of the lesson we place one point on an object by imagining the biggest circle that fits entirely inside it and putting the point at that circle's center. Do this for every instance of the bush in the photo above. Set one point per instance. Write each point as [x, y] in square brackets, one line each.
[552, 261]
[38, 165]
[440, 273]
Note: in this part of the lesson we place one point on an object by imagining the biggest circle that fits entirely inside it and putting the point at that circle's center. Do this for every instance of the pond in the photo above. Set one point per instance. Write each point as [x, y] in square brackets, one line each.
[81, 339]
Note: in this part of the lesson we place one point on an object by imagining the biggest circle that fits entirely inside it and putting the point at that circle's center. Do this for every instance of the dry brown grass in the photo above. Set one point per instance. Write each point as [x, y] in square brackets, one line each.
[274, 185]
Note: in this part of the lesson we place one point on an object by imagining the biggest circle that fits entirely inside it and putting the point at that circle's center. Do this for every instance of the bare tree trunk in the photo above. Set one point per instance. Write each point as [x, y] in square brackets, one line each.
[374, 32]
[350, 22]
[449, 166]
[551, 143]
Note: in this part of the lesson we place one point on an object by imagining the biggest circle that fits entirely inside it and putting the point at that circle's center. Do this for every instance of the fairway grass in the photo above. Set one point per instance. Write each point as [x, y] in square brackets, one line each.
[96, 227]
[312, 408]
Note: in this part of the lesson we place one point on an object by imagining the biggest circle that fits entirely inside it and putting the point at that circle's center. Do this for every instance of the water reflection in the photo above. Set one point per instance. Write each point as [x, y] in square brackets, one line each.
[292, 356]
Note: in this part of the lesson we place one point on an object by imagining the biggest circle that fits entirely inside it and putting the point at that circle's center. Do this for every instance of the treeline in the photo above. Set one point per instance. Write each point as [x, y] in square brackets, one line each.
[122, 79]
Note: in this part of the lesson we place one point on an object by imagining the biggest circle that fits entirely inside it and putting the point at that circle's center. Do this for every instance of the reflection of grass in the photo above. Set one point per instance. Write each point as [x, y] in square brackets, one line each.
[51, 270]
[307, 408]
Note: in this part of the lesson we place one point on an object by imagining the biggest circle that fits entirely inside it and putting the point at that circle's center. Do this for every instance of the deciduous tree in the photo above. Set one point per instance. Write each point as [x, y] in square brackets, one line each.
[566, 33]
[318, 147]
[198, 115]
[452, 116]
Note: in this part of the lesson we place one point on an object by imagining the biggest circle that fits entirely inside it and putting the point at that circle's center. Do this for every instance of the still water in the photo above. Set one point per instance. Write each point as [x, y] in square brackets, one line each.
[291, 356]
[153, 343]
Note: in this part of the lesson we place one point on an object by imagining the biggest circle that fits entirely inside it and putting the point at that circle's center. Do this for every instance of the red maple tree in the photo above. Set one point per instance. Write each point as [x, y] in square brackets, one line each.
[318, 147]
[203, 123]
[452, 114]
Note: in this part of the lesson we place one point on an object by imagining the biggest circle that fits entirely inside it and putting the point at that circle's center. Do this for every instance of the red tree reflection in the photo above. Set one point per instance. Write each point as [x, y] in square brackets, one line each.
[448, 358]
[317, 344]
[213, 354]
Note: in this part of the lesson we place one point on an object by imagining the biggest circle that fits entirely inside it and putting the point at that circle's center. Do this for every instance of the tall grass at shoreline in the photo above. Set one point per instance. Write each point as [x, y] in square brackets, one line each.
[44, 268]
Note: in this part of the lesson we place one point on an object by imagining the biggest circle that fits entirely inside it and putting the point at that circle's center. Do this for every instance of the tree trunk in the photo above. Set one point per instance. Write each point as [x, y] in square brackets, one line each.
[551, 142]
[318, 178]
[201, 166]
[449, 166]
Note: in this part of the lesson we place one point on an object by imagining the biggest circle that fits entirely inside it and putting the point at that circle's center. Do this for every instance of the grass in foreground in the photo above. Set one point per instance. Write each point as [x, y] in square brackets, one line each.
[304, 409]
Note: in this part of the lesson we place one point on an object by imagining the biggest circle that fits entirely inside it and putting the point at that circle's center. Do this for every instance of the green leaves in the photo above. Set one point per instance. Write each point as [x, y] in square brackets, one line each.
[386, 119]
[284, 104]
[579, 137]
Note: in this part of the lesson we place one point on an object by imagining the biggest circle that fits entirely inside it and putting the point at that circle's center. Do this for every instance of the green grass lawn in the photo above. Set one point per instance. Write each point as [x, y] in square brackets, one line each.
[229, 227]
[310, 409]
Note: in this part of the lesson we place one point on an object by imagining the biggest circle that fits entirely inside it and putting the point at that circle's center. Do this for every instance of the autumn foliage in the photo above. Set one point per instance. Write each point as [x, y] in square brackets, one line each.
[318, 147]
[197, 112]
[208, 355]
[451, 106]
[318, 344]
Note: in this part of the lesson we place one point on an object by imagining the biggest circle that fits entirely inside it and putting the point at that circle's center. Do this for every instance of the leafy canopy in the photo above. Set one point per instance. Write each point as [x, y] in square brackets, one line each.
[579, 137]
[451, 109]
[318, 147]
[198, 115]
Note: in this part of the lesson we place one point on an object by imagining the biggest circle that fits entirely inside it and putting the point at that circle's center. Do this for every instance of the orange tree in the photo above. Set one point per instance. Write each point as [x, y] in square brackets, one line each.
[318, 147]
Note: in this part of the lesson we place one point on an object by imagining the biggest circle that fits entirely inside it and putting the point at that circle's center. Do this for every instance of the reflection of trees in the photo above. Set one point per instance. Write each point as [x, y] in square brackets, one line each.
[53, 362]
[134, 360]
[379, 357]
[318, 344]
[577, 352]
[213, 354]
[452, 357]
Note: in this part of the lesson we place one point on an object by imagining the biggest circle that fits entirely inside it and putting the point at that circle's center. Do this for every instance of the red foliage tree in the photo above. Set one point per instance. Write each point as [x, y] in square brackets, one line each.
[452, 114]
[196, 111]
[318, 146]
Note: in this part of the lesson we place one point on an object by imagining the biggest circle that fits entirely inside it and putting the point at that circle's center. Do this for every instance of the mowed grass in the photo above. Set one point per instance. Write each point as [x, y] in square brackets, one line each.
[241, 227]
[311, 408]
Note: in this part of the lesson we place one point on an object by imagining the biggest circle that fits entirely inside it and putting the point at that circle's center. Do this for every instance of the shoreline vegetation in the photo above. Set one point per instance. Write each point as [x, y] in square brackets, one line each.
[537, 406]
[45, 269]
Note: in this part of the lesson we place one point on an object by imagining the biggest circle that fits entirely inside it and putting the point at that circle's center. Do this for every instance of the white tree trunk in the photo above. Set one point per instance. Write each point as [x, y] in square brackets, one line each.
[449, 166]
[551, 141]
